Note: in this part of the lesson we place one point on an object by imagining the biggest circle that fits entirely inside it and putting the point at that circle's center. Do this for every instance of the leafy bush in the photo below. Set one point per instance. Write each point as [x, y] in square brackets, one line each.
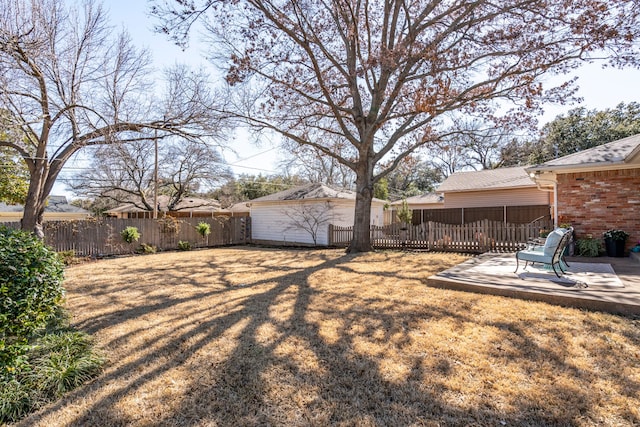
[184, 245]
[147, 249]
[40, 357]
[203, 229]
[404, 213]
[130, 234]
[589, 247]
[30, 284]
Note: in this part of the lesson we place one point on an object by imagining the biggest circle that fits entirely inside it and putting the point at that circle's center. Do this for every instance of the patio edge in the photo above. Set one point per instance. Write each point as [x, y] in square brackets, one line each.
[437, 281]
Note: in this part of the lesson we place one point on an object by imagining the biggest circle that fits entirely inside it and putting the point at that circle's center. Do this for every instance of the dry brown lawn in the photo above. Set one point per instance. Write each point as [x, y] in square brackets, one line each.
[249, 336]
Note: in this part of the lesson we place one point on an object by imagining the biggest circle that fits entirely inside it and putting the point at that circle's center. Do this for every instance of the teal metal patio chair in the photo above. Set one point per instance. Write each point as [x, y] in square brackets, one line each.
[551, 254]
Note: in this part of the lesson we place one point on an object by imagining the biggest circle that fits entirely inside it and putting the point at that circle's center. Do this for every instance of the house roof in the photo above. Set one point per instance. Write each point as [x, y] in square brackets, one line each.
[310, 192]
[422, 199]
[188, 204]
[237, 208]
[489, 179]
[616, 153]
[57, 204]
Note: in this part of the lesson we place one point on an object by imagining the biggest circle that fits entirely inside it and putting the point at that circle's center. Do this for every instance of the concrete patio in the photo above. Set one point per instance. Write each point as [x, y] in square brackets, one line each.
[589, 284]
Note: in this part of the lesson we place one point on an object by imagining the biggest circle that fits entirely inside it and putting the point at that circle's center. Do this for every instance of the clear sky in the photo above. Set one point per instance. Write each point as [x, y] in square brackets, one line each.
[600, 88]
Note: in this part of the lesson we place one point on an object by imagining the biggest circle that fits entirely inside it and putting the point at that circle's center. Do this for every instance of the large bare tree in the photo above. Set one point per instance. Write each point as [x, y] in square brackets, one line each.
[69, 81]
[124, 173]
[387, 76]
[315, 166]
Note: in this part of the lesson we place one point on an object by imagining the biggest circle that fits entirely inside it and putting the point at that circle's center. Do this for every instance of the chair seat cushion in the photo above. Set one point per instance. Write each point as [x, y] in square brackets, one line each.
[534, 256]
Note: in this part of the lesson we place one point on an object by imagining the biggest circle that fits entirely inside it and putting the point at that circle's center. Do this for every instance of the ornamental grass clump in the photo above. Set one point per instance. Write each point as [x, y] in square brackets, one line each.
[130, 234]
[203, 229]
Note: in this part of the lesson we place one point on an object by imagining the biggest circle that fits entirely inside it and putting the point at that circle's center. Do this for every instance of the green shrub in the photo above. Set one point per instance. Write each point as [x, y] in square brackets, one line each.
[30, 284]
[404, 213]
[147, 249]
[130, 234]
[589, 246]
[203, 229]
[184, 245]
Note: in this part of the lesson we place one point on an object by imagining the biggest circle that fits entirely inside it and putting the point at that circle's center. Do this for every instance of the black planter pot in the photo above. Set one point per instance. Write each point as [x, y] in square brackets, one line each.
[615, 248]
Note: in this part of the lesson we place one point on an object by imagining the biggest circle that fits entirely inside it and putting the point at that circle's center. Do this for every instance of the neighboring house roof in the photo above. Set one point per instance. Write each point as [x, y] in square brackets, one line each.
[423, 199]
[616, 153]
[311, 191]
[55, 204]
[188, 204]
[238, 207]
[489, 179]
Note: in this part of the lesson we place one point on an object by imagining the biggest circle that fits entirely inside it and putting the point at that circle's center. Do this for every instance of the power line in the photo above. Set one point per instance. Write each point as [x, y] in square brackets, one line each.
[251, 157]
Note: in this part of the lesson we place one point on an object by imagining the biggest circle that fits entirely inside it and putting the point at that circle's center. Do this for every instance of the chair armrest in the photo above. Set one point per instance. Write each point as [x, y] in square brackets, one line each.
[536, 244]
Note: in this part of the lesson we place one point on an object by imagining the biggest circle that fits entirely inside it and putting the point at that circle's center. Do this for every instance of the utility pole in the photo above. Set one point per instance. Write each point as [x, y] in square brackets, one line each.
[155, 177]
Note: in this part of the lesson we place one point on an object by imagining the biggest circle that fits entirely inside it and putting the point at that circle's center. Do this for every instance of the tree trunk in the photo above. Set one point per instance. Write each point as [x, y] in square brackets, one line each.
[33, 213]
[39, 188]
[361, 241]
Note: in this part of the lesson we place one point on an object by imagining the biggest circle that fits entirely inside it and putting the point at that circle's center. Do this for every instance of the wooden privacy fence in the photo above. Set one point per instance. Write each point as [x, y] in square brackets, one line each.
[507, 214]
[480, 236]
[101, 237]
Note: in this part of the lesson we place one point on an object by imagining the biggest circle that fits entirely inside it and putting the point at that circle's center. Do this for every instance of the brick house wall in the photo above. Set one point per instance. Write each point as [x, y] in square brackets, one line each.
[601, 200]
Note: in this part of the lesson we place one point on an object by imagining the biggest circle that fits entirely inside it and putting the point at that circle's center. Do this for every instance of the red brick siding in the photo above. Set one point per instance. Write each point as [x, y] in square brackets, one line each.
[597, 201]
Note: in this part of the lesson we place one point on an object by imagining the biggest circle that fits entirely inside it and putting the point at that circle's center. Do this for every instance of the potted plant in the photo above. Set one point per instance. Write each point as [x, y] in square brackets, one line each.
[614, 241]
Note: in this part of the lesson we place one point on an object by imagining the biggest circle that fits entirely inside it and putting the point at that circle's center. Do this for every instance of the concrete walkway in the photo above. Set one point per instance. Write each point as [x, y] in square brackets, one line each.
[625, 300]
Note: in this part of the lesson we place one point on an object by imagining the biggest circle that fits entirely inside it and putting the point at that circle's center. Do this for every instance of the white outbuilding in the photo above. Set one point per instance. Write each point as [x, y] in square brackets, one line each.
[301, 215]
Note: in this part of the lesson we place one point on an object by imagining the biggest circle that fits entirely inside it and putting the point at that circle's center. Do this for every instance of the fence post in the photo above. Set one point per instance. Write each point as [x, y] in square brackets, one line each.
[330, 238]
[485, 232]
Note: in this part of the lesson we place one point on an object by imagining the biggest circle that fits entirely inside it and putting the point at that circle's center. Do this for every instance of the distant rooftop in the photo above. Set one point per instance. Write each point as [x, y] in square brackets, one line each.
[57, 204]
[422, 199]
[188, 204]
[309, 192]
[501, 178]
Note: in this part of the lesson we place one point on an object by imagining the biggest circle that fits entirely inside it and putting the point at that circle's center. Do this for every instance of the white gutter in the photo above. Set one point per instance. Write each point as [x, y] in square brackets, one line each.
[537, 179]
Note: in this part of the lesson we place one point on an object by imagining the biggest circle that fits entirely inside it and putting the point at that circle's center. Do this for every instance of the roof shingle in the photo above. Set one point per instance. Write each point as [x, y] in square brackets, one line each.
[314, 190]
[615, 152]
[501, 178]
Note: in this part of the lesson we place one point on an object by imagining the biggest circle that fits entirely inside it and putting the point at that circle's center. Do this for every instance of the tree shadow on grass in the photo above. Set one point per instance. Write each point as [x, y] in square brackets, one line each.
[286, 349]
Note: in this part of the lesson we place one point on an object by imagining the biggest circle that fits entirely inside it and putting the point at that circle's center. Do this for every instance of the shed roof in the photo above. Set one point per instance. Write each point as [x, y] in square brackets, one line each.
[311, 191]
[615, 153]
[488, 179]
